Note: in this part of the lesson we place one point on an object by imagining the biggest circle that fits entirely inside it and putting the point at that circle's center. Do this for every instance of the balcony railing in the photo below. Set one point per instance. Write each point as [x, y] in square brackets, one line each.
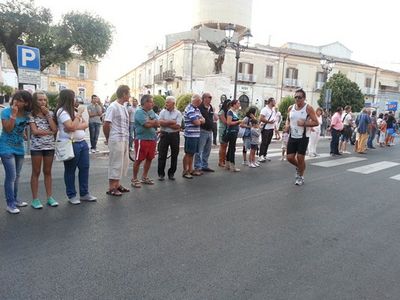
[319, 85]
[291, 82]
[247, 77]
[83, 76]
[369, 91]
[168, 75]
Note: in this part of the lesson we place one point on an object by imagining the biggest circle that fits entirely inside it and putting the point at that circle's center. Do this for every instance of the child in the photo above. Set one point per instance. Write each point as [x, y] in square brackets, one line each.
[285, 138]
[255, 140]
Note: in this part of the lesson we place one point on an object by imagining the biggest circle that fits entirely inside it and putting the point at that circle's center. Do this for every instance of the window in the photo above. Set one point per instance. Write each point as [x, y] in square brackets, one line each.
[245, 68]
[321, 77]
[82, 71]
[63, 69]
[291, 73]
[269, 71]
[368, 82]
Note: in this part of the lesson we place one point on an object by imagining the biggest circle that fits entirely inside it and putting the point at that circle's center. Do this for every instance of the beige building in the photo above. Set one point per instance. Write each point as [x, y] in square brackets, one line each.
[186, 64]
[76, 75]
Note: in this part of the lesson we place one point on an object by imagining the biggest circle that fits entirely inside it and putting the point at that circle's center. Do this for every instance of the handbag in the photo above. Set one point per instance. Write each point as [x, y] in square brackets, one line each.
[64, 150]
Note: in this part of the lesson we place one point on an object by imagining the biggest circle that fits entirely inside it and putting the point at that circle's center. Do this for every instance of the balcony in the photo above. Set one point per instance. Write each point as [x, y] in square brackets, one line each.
[243, 77]
[168, 75]
[83, 76]
[369, 91]
[319, 85]
[290, 82]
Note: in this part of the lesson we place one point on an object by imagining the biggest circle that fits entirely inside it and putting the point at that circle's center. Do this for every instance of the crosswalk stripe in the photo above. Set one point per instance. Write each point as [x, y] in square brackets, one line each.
[338, 162]
[321, 155]
[375, 167]
[396, 177]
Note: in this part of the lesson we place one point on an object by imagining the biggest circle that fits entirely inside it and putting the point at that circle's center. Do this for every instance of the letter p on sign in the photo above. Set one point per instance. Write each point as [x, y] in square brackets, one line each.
[28, 57]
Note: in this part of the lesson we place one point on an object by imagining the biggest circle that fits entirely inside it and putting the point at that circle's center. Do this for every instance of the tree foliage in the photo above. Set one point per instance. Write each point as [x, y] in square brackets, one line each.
[159, 101]
[344, 92]
[183, 101]
[83, 34]
[284, 105]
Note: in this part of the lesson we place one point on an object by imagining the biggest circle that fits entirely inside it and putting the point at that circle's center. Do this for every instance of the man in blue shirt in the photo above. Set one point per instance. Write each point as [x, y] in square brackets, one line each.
[363, 126]
[193, 120]
[145, 140]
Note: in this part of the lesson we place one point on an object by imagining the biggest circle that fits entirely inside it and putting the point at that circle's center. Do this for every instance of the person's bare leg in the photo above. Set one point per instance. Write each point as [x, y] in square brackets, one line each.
[301, 164]
[36, 168]
[47, 165]
[146, 167]
[136, 167]
[292, 159]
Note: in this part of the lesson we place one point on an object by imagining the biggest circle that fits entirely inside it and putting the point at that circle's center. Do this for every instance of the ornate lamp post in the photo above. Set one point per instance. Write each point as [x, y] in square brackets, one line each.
[327, 65]
[238, 47]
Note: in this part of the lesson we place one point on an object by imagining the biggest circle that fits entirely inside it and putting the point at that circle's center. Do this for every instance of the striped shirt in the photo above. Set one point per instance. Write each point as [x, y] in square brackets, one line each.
[191, 114]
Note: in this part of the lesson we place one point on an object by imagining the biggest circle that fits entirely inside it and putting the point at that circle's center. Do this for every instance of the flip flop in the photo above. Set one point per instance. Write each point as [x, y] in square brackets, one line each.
[114, 192]
[123, 189]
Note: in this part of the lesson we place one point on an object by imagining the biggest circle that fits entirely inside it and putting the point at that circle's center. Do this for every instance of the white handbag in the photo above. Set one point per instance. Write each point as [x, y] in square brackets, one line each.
[64, 150]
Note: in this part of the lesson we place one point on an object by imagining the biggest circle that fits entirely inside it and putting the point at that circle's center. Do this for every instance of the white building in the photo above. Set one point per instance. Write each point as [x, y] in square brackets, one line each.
[186, 64]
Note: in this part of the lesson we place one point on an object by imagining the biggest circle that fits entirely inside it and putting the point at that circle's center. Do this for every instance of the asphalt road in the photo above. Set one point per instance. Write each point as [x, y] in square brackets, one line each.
[248, 235]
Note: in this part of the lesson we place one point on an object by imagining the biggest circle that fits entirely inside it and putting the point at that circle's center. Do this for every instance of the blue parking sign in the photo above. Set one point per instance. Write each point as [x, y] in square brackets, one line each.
[28, 57]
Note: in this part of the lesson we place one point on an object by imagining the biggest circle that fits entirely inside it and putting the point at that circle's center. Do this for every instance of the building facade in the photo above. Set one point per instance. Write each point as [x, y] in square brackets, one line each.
[264, 71]
[76, 75]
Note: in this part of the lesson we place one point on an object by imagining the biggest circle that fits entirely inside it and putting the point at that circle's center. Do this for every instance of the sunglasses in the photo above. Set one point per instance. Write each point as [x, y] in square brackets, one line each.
[298, 97]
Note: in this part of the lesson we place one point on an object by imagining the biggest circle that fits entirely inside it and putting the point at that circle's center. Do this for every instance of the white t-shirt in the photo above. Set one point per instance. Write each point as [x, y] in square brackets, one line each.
[267, 112]
[118, 116]
[347, 119]
[77, 135]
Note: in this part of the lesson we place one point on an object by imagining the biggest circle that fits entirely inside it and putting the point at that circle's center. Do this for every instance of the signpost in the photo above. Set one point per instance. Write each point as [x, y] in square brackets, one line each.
[28, 60]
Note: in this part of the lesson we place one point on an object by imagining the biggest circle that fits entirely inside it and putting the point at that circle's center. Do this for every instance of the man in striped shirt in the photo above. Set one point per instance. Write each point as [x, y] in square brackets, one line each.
[193, 120]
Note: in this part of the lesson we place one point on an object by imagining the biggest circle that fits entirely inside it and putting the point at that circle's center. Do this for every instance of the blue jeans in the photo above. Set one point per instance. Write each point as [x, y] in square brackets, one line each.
[12, 167]
[201, 158]
[371, 137]
[81, 160]
[94, 131]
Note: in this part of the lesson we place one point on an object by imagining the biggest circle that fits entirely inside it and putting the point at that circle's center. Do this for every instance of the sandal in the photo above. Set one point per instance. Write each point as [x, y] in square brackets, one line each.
[136, 183]
[114, 192]
[123, 189]
[147, 180]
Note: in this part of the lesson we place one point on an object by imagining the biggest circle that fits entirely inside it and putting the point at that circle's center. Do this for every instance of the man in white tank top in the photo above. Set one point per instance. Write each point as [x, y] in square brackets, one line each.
[300, 116]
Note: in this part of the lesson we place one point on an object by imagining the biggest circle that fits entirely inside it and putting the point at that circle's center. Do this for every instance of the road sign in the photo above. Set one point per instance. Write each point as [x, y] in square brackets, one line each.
[28, 60]
[28, 57]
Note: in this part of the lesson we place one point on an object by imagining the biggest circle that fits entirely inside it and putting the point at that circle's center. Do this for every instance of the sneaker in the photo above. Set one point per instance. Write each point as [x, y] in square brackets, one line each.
[12, 210]
[256, 164]
[262, 159]
[36, 204]
[51, 202]
[74, 200]
[89, 198]
[252, 165]
[299, 180]
[21, 204]
[97, 150]
[267, 158]
[297, 174]
[93, 150]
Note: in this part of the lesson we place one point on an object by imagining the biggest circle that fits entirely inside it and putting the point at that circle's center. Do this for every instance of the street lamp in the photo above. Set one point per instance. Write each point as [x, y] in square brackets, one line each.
[327, 65]
[238, 47]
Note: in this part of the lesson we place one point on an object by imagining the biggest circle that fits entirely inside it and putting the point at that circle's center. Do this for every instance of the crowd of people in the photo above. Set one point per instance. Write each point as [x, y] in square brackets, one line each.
[127, 125]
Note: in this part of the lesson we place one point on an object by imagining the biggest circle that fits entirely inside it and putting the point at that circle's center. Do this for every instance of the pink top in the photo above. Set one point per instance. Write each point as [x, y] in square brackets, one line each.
[336, 122]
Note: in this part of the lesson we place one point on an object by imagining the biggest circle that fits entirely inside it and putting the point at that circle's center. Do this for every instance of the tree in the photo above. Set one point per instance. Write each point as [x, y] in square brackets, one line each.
[344, 92]
[159, 101]
[284, 106]
[183, 101]
[83, 34]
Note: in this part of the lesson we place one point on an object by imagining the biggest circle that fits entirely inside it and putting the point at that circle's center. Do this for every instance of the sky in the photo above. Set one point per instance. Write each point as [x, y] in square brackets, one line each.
[368, 28]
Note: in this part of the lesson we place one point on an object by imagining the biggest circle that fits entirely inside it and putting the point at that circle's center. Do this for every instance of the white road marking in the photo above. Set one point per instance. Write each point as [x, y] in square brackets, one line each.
[338, 162]
[379, 166]
[396, 177]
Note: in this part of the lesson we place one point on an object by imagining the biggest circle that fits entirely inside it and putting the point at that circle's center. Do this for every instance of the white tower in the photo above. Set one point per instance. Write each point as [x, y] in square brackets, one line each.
[218, 14]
